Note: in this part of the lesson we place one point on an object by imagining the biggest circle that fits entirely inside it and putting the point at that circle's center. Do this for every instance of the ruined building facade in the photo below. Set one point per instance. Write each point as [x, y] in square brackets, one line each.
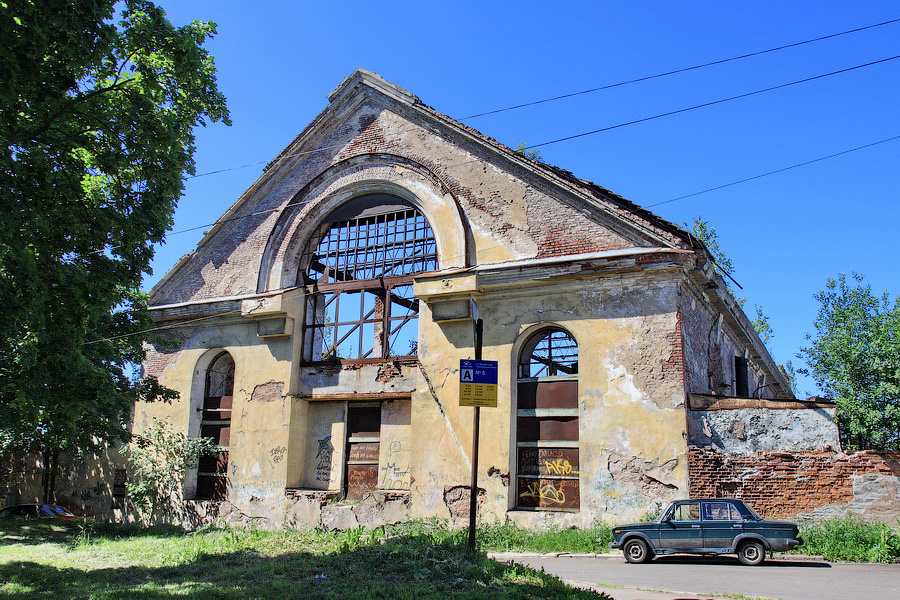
[321, 322]
[323, 319]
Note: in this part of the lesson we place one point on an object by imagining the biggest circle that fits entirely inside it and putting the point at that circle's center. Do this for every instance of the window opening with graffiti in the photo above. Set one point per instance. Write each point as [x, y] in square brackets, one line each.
[547, 453]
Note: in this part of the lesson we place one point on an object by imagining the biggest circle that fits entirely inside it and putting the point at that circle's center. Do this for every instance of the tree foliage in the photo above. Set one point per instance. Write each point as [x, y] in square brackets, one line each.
[98, 103]
[854, 358]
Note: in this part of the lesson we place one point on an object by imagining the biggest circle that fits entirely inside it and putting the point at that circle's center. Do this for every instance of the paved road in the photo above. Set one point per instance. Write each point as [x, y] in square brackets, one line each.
[700, 577]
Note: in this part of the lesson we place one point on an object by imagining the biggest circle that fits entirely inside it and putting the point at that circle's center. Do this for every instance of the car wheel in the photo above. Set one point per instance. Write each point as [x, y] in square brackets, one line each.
[636, 551]
[751, 553]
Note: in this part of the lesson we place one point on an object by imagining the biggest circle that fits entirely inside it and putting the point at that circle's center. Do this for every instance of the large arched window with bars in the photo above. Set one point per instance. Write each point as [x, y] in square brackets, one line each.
[215, 423]
[547, 454]
[358, 274]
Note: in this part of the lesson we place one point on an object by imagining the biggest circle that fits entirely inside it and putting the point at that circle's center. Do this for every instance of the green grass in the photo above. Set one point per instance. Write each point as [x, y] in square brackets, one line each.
[850, 540]
[418, 561]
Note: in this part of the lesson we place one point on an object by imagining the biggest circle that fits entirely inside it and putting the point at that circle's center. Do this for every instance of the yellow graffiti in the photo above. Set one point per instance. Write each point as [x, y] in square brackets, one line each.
[546, 492]
[560, 466]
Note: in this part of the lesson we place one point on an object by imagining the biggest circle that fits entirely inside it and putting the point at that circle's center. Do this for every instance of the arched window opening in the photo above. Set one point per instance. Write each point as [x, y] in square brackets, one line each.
[547, 453]
[215, 423]
[358, 276]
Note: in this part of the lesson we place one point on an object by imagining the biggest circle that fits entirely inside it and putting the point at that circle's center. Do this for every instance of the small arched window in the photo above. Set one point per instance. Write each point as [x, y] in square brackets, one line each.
[358, 276]
[215, 423]
[547, 453]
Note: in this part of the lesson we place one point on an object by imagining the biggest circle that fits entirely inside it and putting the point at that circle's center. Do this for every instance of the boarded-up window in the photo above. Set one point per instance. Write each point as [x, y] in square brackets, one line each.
[363, 449]
[215, 423]
[547, 453]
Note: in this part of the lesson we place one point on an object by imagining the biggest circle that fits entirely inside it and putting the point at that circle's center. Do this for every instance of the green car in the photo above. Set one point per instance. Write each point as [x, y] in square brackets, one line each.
[706, 526]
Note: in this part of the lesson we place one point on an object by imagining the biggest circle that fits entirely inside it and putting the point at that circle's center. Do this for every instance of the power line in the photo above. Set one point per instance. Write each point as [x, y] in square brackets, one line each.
[714, 102]
[803, 164]
[161, 328]
[563, 139]
[676, 71]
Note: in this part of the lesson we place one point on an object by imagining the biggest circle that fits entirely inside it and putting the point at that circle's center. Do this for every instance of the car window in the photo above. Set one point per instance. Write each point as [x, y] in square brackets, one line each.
[719, 511]
[747, 512]
[687, 512]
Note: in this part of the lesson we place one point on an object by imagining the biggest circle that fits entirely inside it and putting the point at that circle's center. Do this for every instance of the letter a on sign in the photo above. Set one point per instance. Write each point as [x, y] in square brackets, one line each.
[478, 383]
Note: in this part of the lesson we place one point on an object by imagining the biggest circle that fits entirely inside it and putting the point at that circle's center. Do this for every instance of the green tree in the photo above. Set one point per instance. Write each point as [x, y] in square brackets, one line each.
[522, 148]
[98, 103]
[854, 357]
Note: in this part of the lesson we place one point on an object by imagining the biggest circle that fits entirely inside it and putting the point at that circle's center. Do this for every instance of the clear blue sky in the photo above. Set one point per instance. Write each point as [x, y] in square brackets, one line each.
[785, 234]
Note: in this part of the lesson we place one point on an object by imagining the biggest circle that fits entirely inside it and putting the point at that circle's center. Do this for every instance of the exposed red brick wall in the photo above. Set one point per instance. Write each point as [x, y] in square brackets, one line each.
[781, 484]
[674, 365]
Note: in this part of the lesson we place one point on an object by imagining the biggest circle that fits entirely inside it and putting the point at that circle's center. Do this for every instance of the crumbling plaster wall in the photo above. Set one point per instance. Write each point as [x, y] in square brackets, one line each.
[744, 431]
[260, 414]
[510, 212]
[710, 348]
[632, 425]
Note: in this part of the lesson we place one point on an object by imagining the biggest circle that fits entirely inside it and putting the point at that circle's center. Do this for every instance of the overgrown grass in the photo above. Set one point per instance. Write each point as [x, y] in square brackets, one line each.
[420, 561]
[509, 538]
[851, 540]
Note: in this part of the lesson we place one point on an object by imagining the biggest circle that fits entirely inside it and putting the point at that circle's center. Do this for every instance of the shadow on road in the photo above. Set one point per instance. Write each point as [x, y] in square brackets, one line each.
[728, 560]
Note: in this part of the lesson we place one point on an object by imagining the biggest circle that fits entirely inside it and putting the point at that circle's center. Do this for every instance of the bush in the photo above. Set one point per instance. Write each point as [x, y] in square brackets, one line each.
[850, 539]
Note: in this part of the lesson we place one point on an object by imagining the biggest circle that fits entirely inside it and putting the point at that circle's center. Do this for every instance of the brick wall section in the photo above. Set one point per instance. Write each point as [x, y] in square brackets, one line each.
[780, 484]
[674, 365]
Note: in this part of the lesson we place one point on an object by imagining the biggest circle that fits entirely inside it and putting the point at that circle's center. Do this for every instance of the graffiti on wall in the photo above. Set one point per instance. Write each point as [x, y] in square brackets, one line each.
[324, 457]
[395, 472]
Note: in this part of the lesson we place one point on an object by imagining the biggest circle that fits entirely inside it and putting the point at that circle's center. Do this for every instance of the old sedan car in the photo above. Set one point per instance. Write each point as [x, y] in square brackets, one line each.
[706, 526]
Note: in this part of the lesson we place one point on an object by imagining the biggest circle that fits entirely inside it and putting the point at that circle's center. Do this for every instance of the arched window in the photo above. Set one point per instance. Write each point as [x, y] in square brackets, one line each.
[215, 423]
[547, 461]
[358, 276]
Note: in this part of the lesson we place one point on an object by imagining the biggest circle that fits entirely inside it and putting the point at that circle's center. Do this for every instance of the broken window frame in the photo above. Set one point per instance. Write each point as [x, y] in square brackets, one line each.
[375, 240]
[546, 467]
[215, 415]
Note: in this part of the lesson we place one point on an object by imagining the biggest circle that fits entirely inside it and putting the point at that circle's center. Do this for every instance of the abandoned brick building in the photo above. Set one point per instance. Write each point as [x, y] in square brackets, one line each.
[322, 321]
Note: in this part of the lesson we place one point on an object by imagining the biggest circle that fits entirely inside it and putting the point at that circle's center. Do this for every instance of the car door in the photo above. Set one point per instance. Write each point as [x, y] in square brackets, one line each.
[680, 530]
[721, 524]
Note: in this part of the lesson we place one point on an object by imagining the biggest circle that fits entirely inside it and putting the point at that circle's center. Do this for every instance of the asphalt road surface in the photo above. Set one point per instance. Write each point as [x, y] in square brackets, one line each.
[688, 577]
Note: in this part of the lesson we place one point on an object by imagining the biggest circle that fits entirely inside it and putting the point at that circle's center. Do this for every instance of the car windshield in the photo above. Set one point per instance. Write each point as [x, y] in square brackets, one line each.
[666, 513]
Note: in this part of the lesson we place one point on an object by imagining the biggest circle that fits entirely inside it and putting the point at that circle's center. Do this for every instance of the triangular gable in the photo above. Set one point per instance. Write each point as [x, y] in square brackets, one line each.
[541, 211]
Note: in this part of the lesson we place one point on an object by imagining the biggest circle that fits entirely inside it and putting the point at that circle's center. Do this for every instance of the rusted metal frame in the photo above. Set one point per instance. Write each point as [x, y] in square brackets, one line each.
[346, 256]
[386, 285]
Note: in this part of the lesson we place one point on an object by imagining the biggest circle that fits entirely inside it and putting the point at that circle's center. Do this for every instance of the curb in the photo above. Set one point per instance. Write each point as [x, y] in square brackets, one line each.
[515, 555]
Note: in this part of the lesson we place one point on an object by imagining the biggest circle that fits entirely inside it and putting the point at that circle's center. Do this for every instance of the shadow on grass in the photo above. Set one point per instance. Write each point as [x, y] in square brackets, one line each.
[407, 567]
[32, 532]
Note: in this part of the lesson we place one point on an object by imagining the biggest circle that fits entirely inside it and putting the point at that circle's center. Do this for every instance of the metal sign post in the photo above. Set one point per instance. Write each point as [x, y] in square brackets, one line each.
[476, 418]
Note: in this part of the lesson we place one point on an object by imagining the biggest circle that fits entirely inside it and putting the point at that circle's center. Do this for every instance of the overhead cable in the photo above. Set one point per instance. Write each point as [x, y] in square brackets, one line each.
[676, 71]
[714, 102]
[803, 164]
